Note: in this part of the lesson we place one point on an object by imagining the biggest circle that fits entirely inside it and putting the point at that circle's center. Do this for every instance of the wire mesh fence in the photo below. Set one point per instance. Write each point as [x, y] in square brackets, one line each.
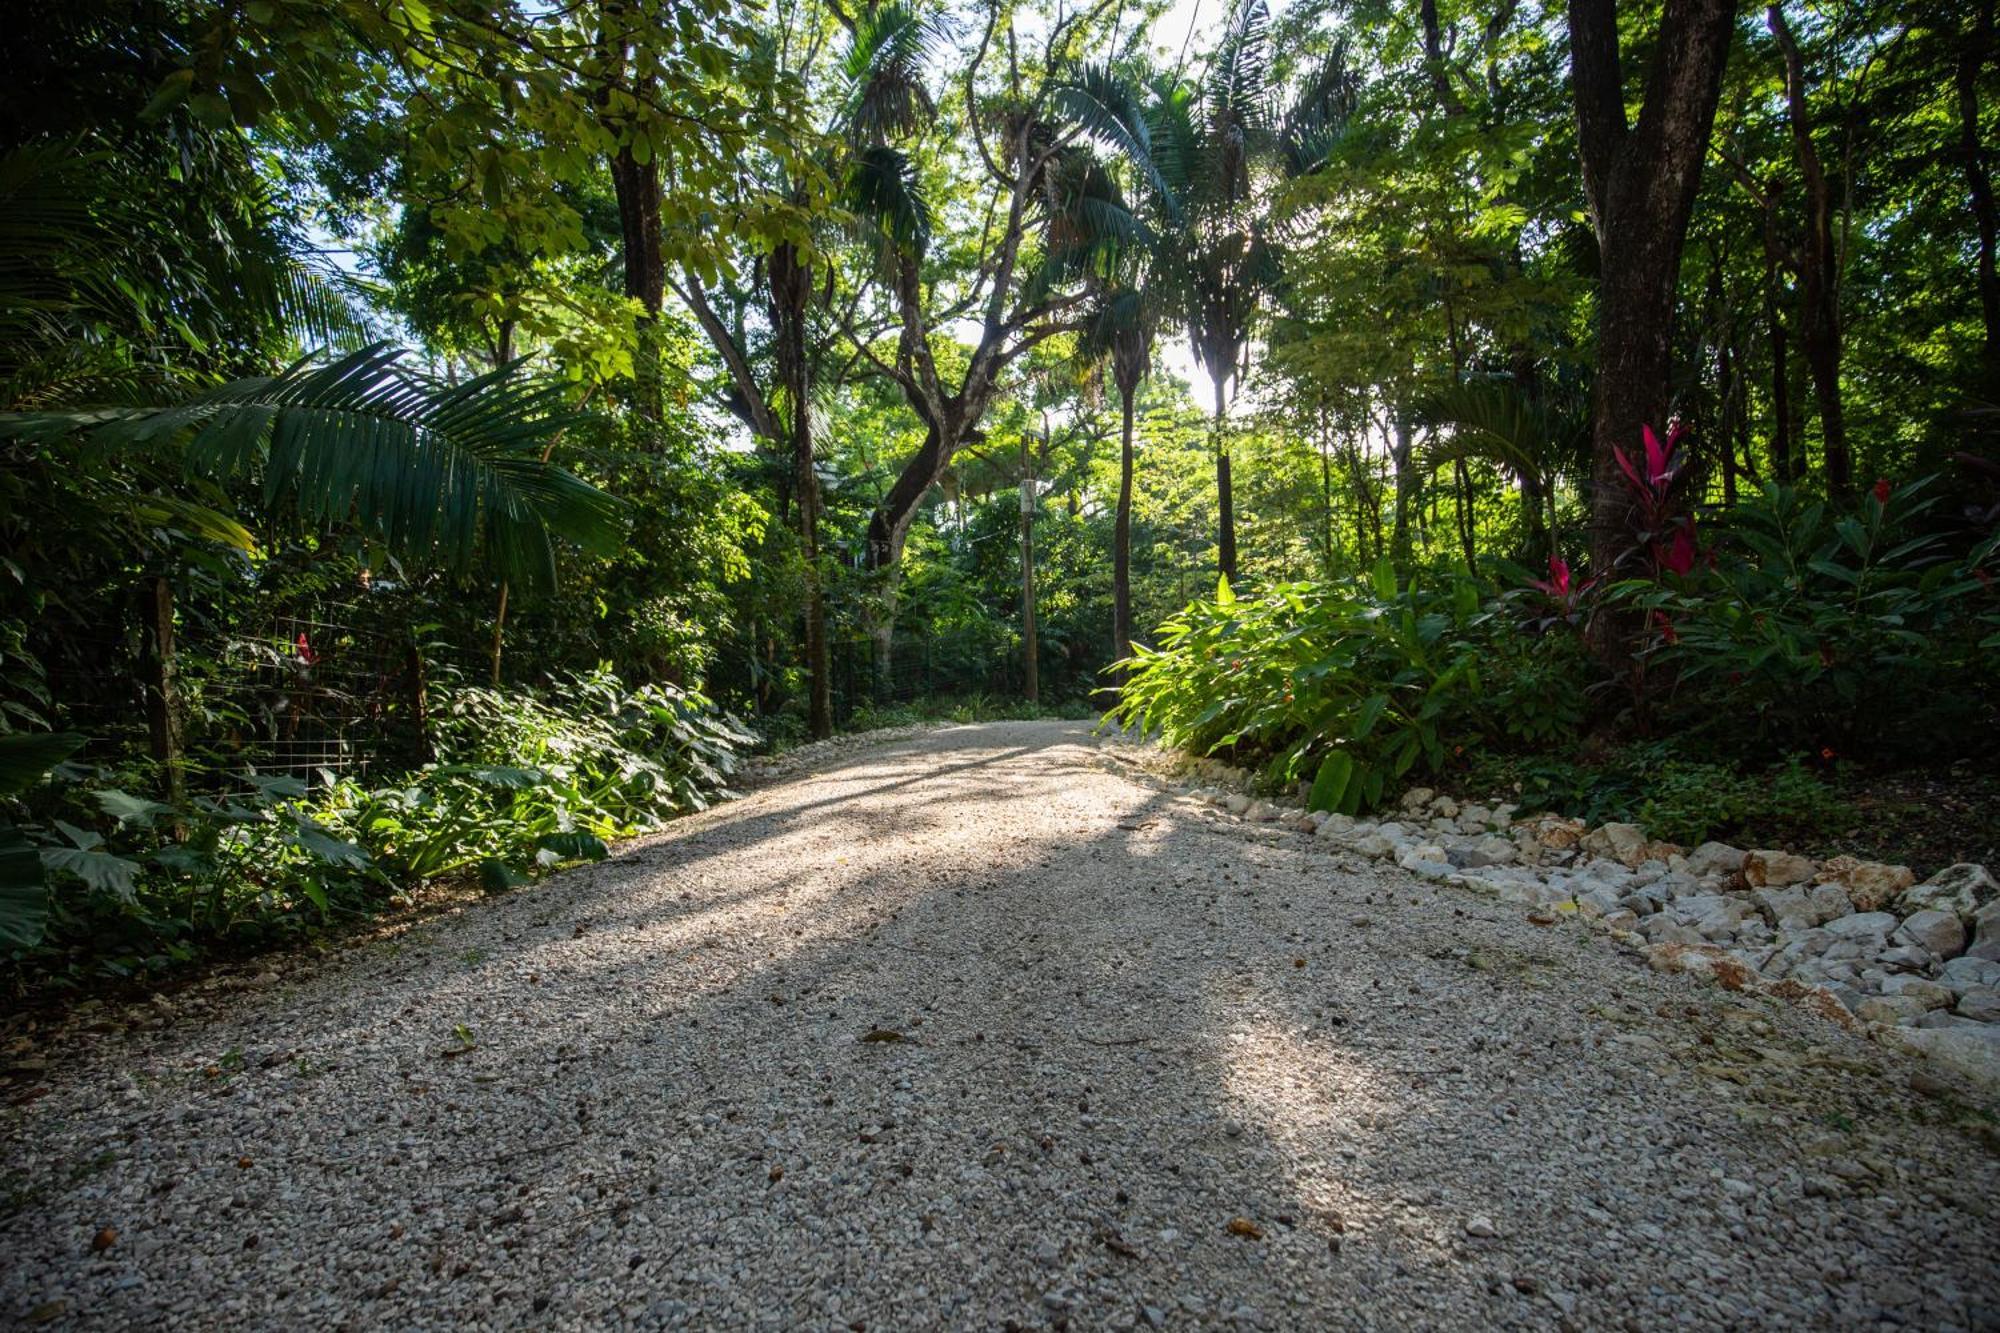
[319, 690]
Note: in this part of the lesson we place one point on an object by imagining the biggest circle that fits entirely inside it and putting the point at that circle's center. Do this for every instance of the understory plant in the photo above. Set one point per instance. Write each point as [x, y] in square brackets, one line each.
[1813, 629]
[1351, 684]
[524, 782]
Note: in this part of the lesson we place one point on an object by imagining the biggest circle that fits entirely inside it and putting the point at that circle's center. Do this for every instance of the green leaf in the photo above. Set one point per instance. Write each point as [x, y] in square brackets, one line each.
[1384, 579]
[24, 903]
[102, 871]
[280, 787]
[325, 847]
[1330, 786]
[1224, 594]
[1371, 713]
[26, 757]
[576, 845]
[130, 811]
[512, 779]
[496, 876]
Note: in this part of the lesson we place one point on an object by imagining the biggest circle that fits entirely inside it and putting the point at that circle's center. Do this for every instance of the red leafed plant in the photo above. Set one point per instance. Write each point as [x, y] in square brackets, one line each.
[1562, 596]
[1665, 537]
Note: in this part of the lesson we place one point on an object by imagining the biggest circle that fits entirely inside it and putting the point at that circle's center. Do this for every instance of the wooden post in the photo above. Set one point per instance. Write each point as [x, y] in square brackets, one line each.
[420, 703]
[163, 719]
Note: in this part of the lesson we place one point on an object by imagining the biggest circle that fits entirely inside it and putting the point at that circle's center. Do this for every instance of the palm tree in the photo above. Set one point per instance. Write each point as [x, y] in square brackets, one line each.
[1208, 156]
[1539, 439]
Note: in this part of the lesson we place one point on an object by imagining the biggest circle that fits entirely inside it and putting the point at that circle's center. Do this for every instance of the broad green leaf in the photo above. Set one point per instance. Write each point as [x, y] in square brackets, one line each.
[27, 757]
[496, 876]
[24, 906]
[129, 810]
[1329, 788]
[102, 871]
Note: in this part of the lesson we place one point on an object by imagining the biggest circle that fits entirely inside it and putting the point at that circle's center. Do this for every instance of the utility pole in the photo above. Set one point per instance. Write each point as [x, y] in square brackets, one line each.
[1030, 679]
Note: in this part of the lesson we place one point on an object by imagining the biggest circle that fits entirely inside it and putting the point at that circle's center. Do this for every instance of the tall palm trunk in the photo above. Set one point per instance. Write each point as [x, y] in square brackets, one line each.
[1121, 536]
[1225, 498]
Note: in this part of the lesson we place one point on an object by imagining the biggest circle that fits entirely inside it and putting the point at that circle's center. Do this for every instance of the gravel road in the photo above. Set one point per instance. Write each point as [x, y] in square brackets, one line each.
[989, 1027]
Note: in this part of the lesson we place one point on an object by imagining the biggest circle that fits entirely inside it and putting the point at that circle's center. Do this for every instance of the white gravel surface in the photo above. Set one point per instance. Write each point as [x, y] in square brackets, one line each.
[1156, 1067]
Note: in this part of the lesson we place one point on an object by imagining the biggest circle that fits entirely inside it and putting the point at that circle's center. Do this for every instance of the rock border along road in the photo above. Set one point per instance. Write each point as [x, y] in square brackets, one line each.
[988, 1027]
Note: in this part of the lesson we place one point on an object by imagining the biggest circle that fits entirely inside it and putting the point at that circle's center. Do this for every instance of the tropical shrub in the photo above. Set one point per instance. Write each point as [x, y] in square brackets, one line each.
[1352, 684]
[523, 783]
[1810, 629]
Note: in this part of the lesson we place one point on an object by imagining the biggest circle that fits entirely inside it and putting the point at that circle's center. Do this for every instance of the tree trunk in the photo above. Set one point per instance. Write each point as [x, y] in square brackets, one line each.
[1641, 182]
[1819, 269]
[637, 186]
[1121, 538]
[1030, 650]
[1225, 499]
[1979, 182]
[1462, 508]
[1326, 505]
[163, 712]
[791, 289]
[1400, 452]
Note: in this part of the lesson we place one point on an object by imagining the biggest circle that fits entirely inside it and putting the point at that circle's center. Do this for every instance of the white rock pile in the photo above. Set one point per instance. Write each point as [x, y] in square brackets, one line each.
[1915, 965]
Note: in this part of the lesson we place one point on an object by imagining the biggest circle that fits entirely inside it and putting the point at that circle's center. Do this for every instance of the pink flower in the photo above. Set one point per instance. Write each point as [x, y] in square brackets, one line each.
[1559, 575]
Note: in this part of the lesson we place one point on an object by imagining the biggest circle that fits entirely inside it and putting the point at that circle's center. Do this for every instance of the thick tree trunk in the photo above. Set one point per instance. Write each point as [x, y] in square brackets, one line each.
[1641, 182]
[1031, 675]
[1121, 538]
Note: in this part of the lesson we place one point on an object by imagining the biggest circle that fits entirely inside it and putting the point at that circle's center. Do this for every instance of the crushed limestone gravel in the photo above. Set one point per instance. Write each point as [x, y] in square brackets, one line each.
[990, 1027]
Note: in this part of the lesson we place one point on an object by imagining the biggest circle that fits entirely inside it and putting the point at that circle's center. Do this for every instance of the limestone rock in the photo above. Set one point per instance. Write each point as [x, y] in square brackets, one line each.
[1942, 933]
[1769, 868]
[1714, 858]
[1416, 798]
[1964, 889]
[1786, 907]
[1862, 926]
[1333, 826]
[1556, 833]
[1890, 1009]
[1963, 974]
[1829, 901]
[1981, 1003]
[1625, 843]
[1971, 1050]
[1928, 993]
[1870, 885]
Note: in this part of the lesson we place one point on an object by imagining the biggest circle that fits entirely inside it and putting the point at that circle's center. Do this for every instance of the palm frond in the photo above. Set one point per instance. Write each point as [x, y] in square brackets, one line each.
[883, 189]
[885, 95]
[1319, 115]
[1494, 420]
[440, 475]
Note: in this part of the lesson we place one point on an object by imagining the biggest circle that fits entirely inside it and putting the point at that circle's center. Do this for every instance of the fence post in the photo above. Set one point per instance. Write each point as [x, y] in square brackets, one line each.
[420, 701]
[163, 721]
